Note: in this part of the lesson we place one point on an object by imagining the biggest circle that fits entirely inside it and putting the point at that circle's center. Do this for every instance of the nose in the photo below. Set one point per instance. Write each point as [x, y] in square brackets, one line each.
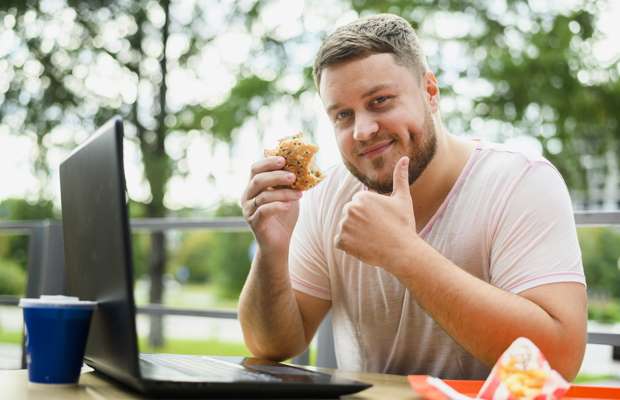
[365, 127]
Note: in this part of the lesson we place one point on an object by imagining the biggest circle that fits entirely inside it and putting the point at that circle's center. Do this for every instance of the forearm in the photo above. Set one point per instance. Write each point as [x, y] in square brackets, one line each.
[483, 318]
[270, 318]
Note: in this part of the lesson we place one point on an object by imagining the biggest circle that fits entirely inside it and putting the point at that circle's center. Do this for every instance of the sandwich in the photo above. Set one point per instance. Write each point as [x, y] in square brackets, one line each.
[299, 157]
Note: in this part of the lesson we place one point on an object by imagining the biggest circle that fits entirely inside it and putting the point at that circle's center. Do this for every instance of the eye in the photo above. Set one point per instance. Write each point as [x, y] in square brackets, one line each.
[342, 115]
[378, 101]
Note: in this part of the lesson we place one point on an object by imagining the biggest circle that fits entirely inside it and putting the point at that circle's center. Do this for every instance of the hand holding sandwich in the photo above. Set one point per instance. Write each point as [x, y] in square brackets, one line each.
[269, 206]
[271, 200]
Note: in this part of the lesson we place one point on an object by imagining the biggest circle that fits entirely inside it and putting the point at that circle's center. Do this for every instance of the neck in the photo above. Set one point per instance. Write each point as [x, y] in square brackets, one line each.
[432, 187]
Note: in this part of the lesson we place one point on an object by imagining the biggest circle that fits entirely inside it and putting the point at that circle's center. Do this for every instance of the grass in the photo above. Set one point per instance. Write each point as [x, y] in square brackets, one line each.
[175, 346]
[11, 337]
[202, 347]
[584, 379]
[189, 295]
[180, 346]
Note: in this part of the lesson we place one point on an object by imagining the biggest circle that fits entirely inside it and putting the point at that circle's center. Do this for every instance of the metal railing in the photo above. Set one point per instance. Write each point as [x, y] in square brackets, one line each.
[46, 261]
[45, 269]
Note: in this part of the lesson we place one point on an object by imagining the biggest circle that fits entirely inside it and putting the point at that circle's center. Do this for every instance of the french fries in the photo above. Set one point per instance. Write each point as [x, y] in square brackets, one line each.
[523, 383]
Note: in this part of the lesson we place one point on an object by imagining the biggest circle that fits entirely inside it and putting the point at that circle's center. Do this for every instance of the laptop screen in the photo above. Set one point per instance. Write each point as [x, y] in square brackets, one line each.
[97, 248]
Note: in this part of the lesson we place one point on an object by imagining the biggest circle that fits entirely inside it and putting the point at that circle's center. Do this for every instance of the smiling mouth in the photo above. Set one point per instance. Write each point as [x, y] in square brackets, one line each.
[376, 150]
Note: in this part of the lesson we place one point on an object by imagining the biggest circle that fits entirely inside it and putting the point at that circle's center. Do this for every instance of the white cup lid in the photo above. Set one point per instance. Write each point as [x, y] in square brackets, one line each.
[56, 301]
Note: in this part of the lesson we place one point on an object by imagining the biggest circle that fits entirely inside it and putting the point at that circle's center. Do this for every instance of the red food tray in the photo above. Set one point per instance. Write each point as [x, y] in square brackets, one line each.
[581, 392]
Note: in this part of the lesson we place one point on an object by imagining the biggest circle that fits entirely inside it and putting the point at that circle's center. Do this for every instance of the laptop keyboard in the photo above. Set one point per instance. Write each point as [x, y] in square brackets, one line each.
[206, 368]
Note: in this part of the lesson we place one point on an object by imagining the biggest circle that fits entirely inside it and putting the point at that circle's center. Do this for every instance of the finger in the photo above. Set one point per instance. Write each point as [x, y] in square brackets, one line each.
[264, 180]
[269, 209]
[279, 195]
[400, 179]
[267, 164]
[248, 207]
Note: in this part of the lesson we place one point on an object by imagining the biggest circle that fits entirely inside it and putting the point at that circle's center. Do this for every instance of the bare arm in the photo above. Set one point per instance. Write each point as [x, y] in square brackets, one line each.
[482, 318]
[277, 322]
[485, 319]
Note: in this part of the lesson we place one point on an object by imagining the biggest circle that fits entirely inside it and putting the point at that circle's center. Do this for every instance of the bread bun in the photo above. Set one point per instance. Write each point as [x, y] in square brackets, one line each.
[299, 157]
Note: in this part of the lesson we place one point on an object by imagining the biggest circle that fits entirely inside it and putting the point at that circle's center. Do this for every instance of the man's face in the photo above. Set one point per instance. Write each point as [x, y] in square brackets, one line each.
[379, 113]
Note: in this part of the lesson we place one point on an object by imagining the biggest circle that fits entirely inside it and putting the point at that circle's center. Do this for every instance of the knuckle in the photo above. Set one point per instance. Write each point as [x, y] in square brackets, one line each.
[252, 185]
[258, 214]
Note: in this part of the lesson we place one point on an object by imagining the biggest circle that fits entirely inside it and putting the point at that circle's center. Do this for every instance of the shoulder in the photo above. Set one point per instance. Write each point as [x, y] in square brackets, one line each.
[510, 155]
[505, 165]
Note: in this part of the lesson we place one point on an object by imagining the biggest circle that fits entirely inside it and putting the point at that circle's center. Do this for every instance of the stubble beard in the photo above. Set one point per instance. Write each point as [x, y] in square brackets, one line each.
[423, 148]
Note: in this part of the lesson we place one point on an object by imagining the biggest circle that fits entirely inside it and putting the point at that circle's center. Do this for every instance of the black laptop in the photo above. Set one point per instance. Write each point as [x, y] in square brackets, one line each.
[99, 267]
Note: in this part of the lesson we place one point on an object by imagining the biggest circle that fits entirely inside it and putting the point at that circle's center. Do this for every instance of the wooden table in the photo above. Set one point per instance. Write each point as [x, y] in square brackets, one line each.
[14, 385]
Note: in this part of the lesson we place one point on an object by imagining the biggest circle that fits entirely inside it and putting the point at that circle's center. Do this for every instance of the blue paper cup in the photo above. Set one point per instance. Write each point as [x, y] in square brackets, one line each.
[56, 332]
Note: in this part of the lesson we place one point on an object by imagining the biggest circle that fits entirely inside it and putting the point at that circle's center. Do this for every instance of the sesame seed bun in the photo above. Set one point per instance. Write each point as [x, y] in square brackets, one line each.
[299, 160]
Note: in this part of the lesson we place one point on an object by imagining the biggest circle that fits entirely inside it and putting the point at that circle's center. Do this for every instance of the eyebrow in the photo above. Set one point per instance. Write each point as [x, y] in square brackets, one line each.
[368, 93]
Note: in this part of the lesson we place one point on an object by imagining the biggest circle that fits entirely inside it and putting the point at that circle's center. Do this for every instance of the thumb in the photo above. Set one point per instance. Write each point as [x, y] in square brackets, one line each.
[400, 180]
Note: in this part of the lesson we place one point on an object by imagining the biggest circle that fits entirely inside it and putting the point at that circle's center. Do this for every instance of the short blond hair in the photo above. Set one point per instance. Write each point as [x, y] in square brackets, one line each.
[381, 33]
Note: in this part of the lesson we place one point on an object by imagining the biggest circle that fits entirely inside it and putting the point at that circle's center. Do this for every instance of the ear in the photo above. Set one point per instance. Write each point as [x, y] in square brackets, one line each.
[431, 87]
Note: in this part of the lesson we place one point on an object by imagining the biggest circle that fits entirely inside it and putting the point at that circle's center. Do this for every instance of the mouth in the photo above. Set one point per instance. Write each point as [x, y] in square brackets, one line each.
[376, 150]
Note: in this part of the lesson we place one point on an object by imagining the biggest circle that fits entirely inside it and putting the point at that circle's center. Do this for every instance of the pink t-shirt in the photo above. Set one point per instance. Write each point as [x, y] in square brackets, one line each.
[508, 220]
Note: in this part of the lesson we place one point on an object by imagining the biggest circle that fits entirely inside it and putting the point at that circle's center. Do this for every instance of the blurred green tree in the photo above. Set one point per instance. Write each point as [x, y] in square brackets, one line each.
[230, 255]
[600, 249]
[221, 258]
[12, 278]
[522, 66]
[15, 247]
[194, 254]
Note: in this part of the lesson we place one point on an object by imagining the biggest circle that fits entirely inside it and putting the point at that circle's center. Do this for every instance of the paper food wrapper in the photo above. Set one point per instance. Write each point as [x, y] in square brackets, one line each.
[522, 372]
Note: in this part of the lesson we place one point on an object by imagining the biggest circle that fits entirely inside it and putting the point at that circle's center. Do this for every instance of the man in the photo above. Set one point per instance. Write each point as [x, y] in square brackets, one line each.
[433, 252]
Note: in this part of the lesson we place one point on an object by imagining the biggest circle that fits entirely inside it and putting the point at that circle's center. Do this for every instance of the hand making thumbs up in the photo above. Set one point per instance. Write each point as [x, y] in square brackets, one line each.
[376, 228]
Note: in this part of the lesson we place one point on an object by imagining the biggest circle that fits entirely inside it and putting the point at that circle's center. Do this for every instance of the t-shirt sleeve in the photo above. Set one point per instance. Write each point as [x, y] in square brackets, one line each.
[535, 239]
[307, 261]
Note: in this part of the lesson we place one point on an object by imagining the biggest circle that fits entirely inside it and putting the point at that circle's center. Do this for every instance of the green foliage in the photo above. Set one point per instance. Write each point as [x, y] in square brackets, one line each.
[244, 101]
[544, 79]
[537, 82]
[231, 262]
[12, 278]
[607, 312]
[15, 247]
[21, 209]
[220, 258]
[140, 241]
[230, 256]
[194, 254]
[141, 248]
[600, 249]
